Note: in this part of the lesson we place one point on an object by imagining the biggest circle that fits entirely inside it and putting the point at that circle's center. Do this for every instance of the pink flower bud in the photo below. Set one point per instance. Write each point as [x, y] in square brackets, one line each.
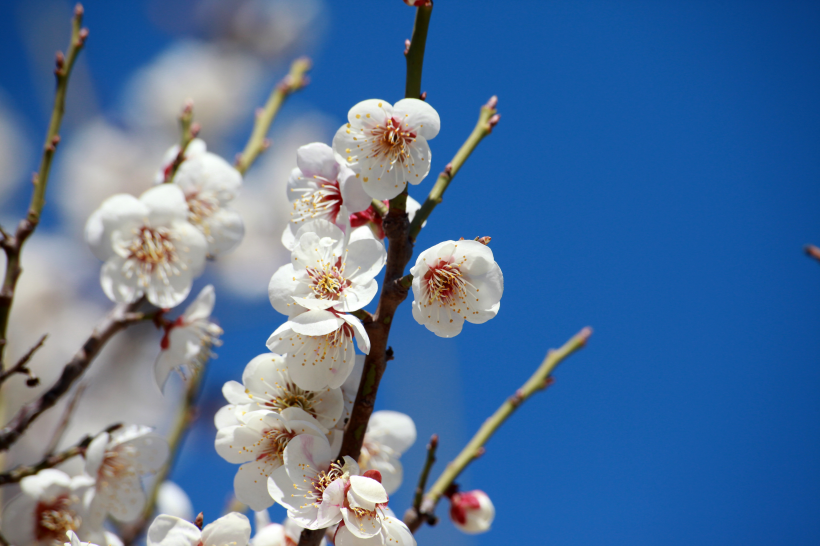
[472, 511]
[418, 3]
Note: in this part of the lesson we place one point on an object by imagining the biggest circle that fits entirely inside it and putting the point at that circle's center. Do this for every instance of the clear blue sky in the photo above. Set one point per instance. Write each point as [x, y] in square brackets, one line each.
[654, 176]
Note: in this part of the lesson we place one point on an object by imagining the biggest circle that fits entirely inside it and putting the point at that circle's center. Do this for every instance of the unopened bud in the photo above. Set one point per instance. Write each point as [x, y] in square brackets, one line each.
[484, 240]
[195, 128]
[373, 475]
[200, 519]
[60, 61]
[418, 3]
[493, 121]
[406, 47]
[82, 36]
[79, 10]
[423, 96]
[492, 103]
[472, 512]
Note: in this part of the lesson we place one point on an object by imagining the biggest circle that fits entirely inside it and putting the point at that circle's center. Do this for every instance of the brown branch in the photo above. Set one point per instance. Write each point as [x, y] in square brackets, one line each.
[118, 318]
[65, 419]
[425, 472]
[13, 246]
[19, 472]
[414, 517]
[21, 367]
[812, 251]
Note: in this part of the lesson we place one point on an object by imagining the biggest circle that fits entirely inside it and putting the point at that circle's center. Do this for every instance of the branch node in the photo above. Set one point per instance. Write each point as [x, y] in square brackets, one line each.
[406, 47]
[200, 519]
[388, 354]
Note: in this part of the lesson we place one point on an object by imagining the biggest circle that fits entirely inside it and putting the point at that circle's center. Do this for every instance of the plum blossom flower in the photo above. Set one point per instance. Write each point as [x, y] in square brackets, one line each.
[373, 220]
[327, 271]
[148, 246]
[233, 529]
[275, 534]
[49, 505]
[266, 384]
[387, 145]
[195, 147]
[472, 511]
[210, 183]
[363, 509]
[350, 388]
[456, 281]
[389, 434]
[319, 347]
[393, 532]
[310, 484]
[117, 460]
[189, 339]
[257, 443]
[321, 188]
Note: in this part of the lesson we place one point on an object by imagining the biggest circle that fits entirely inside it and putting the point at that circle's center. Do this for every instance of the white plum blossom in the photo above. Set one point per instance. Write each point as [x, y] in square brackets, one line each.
[195, 147]
[327, 270]
[387, 145]
[319, 347]
[456, 281]
[275, 534]
[210, 183]
[363, 506]
[393, 533]
[310, 484]
[472, 511]
[350, 388]
[189, 339]
[233, 529]
[174, 501]
[148, 246]
[116, 461]
[321, 187]
[257, 443]
[50, 504]
[389, 434]
[266, 384]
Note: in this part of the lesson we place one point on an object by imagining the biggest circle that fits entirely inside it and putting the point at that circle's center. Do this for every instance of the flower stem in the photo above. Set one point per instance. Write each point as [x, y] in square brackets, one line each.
[425, 472]
[538, 381]
[415, 53]
[487, 119]
[257, 143]
[13, 245]
[188, 132]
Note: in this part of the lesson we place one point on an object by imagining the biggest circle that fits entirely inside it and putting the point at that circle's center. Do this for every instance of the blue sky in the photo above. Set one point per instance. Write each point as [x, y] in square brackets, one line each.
[655, 176]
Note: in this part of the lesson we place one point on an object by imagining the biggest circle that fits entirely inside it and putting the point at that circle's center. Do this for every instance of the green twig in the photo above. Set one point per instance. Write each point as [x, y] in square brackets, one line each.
[188, 132]
[415, 52]
[538, 381]
[425, 472]
[258, 142]
[14, 245]
[487, 119]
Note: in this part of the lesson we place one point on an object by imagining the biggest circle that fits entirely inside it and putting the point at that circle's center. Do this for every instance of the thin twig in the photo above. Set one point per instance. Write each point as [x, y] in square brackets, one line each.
[118, 318]
[425, 472]
[13, 246]
[65, 419]
[257, 143]
[185, 416]
[188, 132]
[487, 119]
[813, 251]
[538, 381]
[19, 472]
[21, 367]
[415, 52]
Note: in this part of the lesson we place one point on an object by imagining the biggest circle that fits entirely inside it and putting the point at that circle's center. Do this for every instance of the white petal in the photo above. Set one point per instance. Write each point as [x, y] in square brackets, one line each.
[367, 492]
[172, 531]
[251, 483]
[362, 339]
[229, 530]
[225, 231]
[392, 429]
[376, 110]
[118, 212]
[282, 286]
[166, 204]
[316, 323]
[306, 452]
[209, 172]
[116, 285]
[226, 416]
[317, 159]
[173, 500]
[353, 195]
[202, 307]
[95, 453]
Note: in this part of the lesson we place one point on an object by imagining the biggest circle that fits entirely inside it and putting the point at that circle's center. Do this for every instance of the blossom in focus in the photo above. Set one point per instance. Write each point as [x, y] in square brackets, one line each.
[310, 484]
[321, 188]
[148, 246]
[472, 511]
[49, 505]
[233, 529]
[393, 532]
[327, 271]
[210, 183]
[389, 434]
[456, 281]
[387, 145]
[319, 347]
[364, 504]
[117, 460]
[257, 443]
[266, 384]
[189, 339]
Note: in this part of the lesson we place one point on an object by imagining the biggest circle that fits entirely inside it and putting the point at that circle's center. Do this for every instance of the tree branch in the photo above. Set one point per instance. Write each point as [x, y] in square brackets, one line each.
[425, 472]
[538, 381]
[487, 119]
[188, 132]
[415, 52]
[257, 143]
[14, 245]
[118, 318]
[19, 472]
[21, 367]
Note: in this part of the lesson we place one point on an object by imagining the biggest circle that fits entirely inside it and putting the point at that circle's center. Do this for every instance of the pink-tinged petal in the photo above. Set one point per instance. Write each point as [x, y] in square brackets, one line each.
[307, 453]
[230, 529]
[172, 531]
[420, 116]
[333, 499]
[251, 483]
[317, 159]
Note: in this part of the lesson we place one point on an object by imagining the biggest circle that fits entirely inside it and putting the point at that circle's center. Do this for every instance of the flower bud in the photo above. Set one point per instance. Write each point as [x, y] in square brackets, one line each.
[472, 511]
